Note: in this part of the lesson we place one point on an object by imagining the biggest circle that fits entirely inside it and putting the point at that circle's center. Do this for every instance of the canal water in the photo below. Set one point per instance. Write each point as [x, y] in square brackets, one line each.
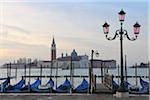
[77, 81]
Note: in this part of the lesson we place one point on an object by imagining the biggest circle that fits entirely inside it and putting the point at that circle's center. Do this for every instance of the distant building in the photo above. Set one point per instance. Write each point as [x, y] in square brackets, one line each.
[97, 63]
[21, 63]
[53, 50]
[77, 61]
[44, 63]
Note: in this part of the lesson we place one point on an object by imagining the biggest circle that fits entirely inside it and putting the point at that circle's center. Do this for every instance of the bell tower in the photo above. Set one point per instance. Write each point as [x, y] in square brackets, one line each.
[53, 50]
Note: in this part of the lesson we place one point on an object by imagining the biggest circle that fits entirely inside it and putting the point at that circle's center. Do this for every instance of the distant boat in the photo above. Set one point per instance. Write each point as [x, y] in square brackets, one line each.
[142, 65]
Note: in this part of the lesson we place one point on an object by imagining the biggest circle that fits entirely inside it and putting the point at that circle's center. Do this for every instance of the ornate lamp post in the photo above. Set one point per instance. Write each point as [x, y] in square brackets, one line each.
[91, 70]
[122, 33]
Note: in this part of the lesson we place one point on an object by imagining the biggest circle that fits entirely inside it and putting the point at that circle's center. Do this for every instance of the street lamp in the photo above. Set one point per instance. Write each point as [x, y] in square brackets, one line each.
[91, 71]
[120, 33]
[121, 15]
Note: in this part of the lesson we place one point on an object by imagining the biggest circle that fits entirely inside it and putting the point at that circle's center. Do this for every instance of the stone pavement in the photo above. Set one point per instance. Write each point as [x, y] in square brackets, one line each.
[68, 97]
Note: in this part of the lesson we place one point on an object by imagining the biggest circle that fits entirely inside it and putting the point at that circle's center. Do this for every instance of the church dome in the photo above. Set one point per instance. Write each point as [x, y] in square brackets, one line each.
[74, 53]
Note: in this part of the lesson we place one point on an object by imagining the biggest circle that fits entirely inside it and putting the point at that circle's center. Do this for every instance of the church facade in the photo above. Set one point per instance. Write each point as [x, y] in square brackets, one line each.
[74, 60]
[64, 62]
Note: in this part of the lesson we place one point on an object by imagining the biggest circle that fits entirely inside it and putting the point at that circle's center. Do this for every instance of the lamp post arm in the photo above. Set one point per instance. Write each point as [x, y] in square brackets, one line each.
[131, 39]
[116, 34]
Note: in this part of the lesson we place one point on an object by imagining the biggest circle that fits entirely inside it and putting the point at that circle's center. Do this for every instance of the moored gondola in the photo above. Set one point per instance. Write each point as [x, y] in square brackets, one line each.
[4, 85]
[30, 87]
[48, 88]
[64, 88]
[82, 88]
[144, 88]
[19, 85]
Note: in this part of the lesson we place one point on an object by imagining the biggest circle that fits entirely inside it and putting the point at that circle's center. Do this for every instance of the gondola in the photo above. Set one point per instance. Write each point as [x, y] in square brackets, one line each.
[45, 89]
[130, 87]
[4, 85]
[64, 88]
[144, 88]
[20, 87]
[115, 86]
[82, 88]
[33, 86]
[17, 87]
[127, 85]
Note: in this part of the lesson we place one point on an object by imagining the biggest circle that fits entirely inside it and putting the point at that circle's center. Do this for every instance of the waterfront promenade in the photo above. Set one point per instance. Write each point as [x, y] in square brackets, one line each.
[68, 97]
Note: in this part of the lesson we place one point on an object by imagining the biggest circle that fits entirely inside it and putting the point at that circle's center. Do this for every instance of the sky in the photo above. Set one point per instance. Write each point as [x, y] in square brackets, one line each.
[28, 26]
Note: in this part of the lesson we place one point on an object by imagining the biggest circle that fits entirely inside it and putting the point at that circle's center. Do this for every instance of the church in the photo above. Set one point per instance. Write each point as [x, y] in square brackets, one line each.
[65, 61]
[74, 60]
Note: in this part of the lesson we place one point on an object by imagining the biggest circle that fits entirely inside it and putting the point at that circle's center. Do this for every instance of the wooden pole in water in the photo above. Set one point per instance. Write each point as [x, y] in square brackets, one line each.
[118, 74]
[91, 72]
[95, 81]
[136, 74]
[71, 74]
[7, 70]
[29, 75]
[73, 65]
[25, 71]
[41, 73]
[149, 70]
[51, 68]
[16, 73]
[126, 68]
[102, 72]
[9, 74]
[56, 74]
[10, 70]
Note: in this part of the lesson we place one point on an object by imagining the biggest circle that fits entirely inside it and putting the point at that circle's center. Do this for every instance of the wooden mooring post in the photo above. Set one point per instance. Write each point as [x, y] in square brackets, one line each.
[25, 71]
[16, 73]
[10, 70]
[41, 73]
[56, 75]
[118, 74]
[102, 65]
[136, 83]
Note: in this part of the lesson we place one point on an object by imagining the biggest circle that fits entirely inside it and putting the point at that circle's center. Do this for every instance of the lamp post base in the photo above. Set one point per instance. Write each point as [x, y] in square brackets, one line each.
[122, 94]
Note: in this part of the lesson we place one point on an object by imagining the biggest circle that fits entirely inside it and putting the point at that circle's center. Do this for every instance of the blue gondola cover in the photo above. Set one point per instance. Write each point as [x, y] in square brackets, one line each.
[145, 86]
[50, 83]
[83, 87]
[65, 87]
[4, 85]
[35, 84]
[115, 86]
[19, 85]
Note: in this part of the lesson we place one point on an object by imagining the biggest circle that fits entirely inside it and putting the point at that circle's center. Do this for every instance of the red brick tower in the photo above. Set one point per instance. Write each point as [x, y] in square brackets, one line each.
[53, 50]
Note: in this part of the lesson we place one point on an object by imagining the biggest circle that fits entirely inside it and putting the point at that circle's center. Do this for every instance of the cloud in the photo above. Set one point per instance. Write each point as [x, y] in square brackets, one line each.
[13, 50]
[16, 28]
